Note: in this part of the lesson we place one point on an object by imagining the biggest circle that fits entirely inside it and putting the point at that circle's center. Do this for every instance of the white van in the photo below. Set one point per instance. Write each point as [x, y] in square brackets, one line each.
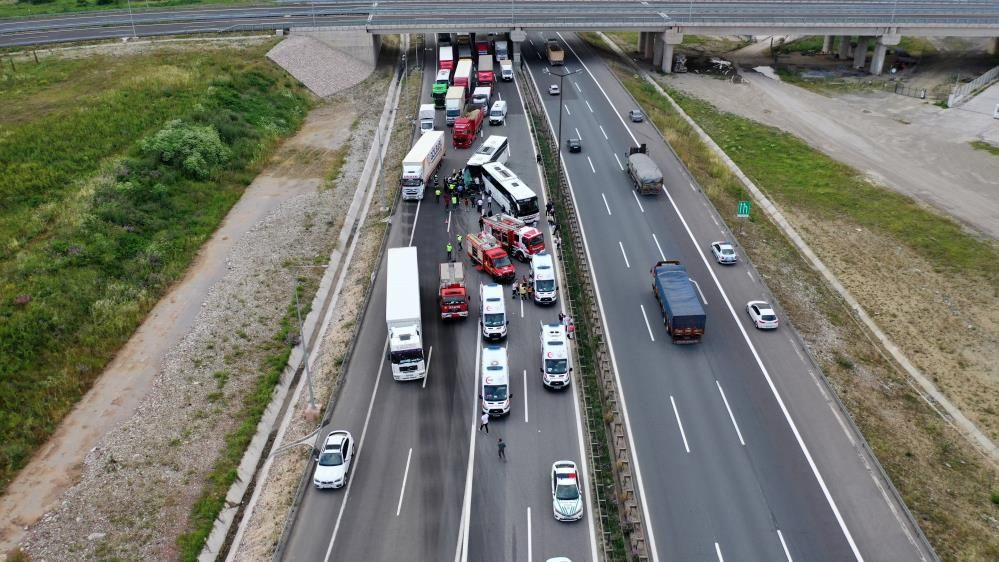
[543, 273]
[492, 312]
[495, 395]
[555, 362]
[497, 113]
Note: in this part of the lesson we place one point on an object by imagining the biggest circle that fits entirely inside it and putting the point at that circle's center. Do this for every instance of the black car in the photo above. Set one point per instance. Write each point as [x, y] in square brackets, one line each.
[575, 145]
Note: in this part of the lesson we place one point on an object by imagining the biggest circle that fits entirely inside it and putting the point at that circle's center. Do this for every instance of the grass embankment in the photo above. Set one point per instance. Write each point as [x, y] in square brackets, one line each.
[946, 484]
[987, 147]
[586, 343]
[105, 203]
[39, 7]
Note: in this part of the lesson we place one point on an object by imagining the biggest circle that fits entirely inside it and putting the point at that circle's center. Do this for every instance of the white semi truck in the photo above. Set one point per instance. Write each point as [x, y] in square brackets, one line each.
[402, 315]
[419, 166]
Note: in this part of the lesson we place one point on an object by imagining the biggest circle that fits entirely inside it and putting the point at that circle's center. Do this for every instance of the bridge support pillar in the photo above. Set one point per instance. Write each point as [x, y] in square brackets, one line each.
[663, 55]
[641, 44]
[860, 53]
[649, 46]
[880, 50]
[517, 36]
[994, 46]
[657, 50]
[844, 47]
[827, 44]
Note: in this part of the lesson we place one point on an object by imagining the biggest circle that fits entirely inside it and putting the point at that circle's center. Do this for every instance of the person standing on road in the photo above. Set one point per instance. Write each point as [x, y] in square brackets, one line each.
[454, 200]
[478, 205]
[501, 446]
[489, 205]
[450, 250]
[484, 424]
[437, 193]
[459, 241]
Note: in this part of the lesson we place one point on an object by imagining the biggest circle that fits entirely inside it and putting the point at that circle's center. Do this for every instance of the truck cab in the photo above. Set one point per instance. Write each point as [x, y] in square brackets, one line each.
[485, 251]
[543, 273]
[427, 113]
[439, 89]
[452, 294]
[492, 312]
[495, 394]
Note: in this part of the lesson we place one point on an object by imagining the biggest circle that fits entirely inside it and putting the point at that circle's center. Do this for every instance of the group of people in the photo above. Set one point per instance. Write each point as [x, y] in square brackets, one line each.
[456, 193]
[524, 289]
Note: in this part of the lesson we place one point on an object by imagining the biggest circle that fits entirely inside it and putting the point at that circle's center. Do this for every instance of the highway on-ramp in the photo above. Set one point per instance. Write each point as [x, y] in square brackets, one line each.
[418, 491]
[741, 452]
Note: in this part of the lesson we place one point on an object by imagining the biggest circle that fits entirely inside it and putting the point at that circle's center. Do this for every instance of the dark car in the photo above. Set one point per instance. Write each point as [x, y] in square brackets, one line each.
[636, 116]
[575, 145]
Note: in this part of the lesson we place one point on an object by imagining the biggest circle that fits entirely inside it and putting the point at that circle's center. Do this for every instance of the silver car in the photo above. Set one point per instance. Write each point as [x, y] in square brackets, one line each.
[567, 494]
[724, 252]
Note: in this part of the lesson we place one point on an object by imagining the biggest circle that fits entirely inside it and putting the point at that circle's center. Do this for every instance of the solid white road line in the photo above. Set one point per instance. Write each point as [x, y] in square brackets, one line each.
[426, 374]
[449, 221]
[588, 105]
[604, 132]
[605, 204]
[698, 287]
[405, 476]
[594, 170]
[718, 552]
[662, 256]
[461, 550]
[647, 325]
[360, 447]
[530, 548]
[619, 165]
[624, 255]
[730, 415]
[680, 424]
[525, 396]
[640, 207]
[578, 136]
[566, 107]
[521, 308]
[787, 553]
[416, 219]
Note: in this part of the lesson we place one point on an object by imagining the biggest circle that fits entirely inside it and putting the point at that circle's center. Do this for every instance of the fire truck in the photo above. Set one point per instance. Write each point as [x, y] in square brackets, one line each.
[486, 252]
[519, 239]
[452, 294]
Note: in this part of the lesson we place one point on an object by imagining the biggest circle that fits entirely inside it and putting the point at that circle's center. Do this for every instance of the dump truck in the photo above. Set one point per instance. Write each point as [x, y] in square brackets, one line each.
[506, 70]
[556, 56]
[646, 176]
[454, 103]
[678, 299]
[516, 237]
[486, 252]
[423, 160]
[465, 128]
[427, 113]
[402, 315]
[484, 73]
[452, 295]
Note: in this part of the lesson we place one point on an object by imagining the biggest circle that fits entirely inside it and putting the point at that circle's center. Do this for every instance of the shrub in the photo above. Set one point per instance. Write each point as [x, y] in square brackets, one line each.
[196, 149]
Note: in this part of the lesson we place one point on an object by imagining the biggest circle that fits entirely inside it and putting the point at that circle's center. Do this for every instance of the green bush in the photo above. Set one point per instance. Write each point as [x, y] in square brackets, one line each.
[195, 149]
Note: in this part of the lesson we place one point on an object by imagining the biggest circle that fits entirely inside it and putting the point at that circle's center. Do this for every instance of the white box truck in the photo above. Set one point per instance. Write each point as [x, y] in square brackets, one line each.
[426, 118]
[421, 163]
[502, 50]
[402, 315]
[506, 70]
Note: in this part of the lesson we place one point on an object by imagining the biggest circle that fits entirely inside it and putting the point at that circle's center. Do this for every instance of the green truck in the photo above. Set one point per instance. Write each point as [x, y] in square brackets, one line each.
[441, 84]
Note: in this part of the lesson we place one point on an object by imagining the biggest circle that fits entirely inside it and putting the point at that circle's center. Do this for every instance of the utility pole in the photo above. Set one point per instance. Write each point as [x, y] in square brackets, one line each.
[558, 141]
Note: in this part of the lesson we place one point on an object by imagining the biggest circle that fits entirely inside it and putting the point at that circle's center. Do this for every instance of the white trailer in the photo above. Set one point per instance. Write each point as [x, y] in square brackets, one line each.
[420, 164]
[402, 315]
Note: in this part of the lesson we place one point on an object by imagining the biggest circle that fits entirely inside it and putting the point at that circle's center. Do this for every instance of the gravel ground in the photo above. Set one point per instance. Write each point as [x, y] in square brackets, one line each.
[138, 484]
[310, 61]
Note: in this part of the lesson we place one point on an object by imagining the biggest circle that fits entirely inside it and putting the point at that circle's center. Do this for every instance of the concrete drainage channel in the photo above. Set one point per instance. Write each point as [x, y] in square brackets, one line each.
[257, 459]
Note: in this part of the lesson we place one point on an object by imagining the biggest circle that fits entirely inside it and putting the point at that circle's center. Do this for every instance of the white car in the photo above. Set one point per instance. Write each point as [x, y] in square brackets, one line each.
[554, 90]
[762, 314]
[567, 494]
[555, 368]
[724, 252]
[333, 461]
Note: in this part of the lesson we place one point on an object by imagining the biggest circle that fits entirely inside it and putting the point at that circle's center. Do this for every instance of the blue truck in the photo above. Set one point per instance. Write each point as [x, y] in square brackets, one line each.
[683, 314]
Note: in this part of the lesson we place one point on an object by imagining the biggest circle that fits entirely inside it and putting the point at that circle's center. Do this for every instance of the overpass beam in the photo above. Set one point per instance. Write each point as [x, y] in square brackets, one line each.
[880, 50]
[663, 56]
[860, 54]
[827, 42]
[844, 47]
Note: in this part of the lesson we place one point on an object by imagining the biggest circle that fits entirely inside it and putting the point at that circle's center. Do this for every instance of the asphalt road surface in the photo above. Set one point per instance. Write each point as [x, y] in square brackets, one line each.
[741, 452]
[418, 490]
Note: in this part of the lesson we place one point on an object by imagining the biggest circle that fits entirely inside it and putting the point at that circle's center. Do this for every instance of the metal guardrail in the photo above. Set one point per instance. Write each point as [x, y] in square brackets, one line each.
[632, 521]
[962, 92]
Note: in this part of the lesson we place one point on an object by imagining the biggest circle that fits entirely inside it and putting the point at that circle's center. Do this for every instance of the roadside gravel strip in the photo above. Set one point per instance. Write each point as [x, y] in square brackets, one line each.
[138, 485]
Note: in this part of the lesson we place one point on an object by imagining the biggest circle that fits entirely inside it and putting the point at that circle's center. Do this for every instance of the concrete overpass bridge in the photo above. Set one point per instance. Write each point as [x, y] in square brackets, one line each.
[357, 25]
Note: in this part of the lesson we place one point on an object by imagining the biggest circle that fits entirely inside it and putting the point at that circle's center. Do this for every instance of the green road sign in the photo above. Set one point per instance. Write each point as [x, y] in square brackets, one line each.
[743, 212]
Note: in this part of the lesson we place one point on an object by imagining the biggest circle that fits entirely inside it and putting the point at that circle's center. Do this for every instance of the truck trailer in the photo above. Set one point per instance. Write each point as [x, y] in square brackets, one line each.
[485, 70]
[683, 314]
[446, 58]
[402, 315]
[423, 160]
[646, 176]
[454, 103]
[556, 56]
[465, 128]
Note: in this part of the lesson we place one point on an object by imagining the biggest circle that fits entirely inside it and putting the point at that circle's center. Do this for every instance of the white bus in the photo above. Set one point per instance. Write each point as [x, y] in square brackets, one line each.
[510, 193]
[494, 149]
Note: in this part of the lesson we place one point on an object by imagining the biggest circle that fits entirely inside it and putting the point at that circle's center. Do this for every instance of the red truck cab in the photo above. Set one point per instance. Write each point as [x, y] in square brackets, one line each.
[465, 129]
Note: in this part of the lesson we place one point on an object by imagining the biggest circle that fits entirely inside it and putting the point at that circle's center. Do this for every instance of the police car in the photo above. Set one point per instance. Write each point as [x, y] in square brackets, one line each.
[567, 494]
[555, 368]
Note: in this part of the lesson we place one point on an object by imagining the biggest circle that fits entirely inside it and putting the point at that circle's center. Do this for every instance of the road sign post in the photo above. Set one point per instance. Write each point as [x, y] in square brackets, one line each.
[743, 212]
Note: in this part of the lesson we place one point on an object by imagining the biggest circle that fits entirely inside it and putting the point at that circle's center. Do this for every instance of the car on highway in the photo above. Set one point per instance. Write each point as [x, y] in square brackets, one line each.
[636, 116]
[575, 145]
[724, 252]
[555, 368]
[567, 494]
[554, 90]
[762, 314]
[333, 461]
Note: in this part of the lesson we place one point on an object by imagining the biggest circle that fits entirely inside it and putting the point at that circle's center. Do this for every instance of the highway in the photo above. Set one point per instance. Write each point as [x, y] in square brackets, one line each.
[921, 17]
[741, 453]
[426, 485]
